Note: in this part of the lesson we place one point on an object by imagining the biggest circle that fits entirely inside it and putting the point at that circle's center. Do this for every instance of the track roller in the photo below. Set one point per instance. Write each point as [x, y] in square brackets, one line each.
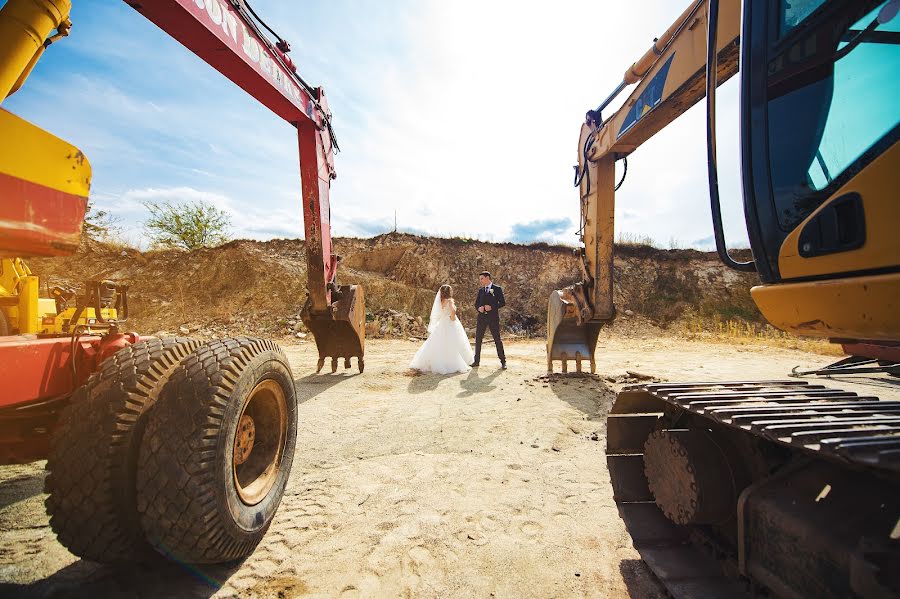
[778, 488]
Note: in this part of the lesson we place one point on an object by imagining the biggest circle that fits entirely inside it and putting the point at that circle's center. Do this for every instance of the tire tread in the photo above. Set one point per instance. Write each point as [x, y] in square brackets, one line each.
[177, 482]
[93, 451]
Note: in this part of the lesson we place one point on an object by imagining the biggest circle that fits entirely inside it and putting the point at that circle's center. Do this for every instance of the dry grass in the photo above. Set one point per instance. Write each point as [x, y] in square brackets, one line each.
[742, 332]
[626, 239]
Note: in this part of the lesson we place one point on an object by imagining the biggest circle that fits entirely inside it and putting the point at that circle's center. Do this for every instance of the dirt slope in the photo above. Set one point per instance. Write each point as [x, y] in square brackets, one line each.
[259, 287]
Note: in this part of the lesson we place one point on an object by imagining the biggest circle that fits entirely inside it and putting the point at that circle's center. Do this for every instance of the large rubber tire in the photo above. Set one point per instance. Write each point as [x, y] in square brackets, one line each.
[93, 452]
[4, 325]
[188, 492]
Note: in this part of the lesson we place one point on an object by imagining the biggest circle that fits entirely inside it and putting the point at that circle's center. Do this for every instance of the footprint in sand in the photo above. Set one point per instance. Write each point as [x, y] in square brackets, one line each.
[472, 536]
[367, 586]
[313, 509]
[531, 529]
[563, 518]
[406, 506]
[489, 522]
[421, 555]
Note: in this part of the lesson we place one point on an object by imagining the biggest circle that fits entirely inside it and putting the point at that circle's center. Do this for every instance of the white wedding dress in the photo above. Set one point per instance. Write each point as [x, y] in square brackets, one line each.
[447, 348]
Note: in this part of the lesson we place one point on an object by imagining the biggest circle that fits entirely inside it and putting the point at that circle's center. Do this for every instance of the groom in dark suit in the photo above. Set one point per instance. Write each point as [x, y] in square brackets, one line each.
[488, 303]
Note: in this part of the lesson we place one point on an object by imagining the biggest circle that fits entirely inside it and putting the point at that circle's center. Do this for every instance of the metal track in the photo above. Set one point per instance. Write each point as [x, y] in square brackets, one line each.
[823, 422]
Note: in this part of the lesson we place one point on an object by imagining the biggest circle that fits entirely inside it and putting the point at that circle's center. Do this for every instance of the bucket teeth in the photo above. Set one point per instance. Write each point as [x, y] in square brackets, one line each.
[341, 332]
[569, 336]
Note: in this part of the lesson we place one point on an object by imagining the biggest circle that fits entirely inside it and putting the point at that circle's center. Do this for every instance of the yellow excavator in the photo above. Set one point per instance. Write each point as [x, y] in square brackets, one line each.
[772, 488]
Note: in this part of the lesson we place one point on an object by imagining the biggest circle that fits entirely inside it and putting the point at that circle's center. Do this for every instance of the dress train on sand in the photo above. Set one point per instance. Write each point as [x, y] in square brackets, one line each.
[447, 348]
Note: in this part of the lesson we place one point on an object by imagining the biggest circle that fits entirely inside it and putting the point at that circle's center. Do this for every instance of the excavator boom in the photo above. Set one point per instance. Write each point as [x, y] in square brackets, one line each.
[228, 37]
[671, 79]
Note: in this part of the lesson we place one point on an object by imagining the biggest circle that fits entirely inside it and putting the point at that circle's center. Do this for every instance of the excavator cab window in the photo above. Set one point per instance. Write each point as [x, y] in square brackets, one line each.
[793, 12]
[825, 77]
[864, 101]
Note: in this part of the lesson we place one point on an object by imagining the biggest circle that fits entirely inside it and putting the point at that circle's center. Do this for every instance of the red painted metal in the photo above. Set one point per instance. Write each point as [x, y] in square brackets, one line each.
[217, 33]
[33, 369]
[39, 372]
[37, 369]
[36, 220]
[110, 344]
[874, 351]
[320, 259]
[37, 380]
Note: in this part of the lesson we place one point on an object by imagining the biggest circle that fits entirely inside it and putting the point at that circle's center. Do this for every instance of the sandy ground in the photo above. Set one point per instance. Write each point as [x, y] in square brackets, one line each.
[486, 484]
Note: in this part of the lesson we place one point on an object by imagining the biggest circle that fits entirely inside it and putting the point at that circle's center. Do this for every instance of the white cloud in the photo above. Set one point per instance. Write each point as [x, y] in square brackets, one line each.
[462, 117]
[479, 123]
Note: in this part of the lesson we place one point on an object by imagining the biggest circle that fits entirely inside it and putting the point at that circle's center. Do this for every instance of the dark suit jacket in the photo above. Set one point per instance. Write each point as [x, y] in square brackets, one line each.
[495, 300]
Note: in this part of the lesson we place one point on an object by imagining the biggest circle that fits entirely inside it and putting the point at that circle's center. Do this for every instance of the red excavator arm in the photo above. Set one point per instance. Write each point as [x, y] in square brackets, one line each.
[227, 35]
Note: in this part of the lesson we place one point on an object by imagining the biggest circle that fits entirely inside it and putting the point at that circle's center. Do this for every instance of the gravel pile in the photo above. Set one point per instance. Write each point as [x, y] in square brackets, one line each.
[393, 323]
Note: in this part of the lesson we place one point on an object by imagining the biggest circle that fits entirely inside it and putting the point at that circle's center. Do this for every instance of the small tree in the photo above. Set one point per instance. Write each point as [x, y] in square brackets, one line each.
[99, 224]
[187, 226]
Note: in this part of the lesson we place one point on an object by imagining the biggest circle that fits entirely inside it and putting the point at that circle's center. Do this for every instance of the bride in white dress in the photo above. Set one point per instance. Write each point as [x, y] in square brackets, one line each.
[447, 348]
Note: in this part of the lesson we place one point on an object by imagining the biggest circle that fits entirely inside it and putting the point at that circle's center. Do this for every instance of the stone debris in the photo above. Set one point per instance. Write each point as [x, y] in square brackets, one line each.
[631, 377]
[393, 323]
[640, 375]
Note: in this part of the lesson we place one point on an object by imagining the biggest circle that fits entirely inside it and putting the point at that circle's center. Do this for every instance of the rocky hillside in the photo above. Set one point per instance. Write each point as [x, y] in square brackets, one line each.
[259, 287]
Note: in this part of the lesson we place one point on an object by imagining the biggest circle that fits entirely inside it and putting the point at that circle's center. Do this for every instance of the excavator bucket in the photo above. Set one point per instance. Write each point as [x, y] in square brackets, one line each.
[569, 337]
[342, 332]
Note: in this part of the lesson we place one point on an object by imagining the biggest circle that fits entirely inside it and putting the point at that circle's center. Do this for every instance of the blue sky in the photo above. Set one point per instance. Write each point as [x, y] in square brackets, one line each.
[463, 117]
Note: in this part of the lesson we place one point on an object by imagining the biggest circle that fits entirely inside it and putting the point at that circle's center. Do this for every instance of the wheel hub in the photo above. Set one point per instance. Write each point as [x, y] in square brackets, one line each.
[259, 441]
[243, 444]
[689, 476]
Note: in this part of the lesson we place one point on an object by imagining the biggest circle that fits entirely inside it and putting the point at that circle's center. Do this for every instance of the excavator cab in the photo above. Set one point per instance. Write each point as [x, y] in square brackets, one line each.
[819, 153]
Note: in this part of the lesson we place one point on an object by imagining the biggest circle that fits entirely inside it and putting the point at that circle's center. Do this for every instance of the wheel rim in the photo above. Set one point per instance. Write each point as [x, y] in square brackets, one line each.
[259, 442]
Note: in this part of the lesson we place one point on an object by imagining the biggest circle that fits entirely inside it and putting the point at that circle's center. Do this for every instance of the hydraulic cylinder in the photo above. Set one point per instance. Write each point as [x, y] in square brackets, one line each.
[24, 27]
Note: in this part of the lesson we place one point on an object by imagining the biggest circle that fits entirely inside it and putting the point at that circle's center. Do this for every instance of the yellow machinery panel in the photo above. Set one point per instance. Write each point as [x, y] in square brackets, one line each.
[877, 184]
[851, 308]
[44, 186]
